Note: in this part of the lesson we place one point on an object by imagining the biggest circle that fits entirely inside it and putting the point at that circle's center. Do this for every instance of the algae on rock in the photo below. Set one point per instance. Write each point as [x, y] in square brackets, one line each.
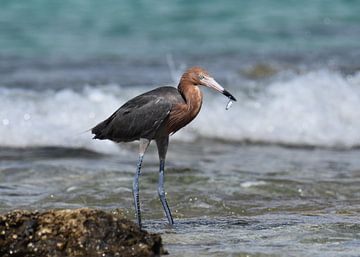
[79, 232]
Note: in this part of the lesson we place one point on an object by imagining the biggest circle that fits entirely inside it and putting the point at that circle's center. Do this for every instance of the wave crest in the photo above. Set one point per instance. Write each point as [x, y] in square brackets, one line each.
[319, 108]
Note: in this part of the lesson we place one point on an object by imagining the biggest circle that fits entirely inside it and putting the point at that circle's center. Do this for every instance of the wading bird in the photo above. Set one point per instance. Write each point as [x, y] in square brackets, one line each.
[155, 115]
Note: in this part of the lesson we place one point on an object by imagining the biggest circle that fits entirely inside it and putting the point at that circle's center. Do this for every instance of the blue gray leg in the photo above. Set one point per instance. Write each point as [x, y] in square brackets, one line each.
[162, 144]
[144, 143]
[162, 193]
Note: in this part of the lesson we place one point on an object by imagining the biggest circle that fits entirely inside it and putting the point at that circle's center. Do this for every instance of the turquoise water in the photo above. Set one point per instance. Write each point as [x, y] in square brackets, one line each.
[154, 28]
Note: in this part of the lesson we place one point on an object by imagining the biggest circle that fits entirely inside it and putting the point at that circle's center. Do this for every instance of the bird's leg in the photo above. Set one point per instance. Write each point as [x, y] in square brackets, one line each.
[162, 145]
[144, 143]
[162, 193]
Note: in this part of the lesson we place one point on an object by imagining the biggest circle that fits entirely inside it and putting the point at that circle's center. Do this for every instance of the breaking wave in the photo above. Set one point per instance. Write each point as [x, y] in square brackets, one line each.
[318, 108]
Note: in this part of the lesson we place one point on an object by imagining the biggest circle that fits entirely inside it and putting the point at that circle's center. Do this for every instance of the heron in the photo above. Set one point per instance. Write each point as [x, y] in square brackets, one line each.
[155, 115]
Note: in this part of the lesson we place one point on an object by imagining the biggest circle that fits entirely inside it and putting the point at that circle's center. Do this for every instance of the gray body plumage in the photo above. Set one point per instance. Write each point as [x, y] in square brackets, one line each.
[141, 117]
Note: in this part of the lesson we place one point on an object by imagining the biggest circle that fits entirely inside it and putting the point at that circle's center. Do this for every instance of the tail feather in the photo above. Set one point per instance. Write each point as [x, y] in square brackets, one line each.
[99, 130]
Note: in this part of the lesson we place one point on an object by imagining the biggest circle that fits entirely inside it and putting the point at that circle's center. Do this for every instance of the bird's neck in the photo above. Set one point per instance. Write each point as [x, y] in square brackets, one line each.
[192, 96]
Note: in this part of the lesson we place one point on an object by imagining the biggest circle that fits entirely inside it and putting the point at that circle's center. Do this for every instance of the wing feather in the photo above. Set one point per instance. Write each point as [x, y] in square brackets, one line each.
[140, 117]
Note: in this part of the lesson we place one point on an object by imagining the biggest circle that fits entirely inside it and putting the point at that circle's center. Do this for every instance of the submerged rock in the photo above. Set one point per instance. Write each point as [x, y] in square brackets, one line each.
[260, 71]
[80, 232]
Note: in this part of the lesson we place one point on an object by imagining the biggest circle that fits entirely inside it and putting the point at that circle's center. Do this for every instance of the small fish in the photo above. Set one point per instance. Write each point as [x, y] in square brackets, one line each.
[229, 104]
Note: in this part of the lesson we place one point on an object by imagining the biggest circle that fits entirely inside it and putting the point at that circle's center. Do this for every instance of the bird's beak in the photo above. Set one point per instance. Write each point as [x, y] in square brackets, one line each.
[211, 82]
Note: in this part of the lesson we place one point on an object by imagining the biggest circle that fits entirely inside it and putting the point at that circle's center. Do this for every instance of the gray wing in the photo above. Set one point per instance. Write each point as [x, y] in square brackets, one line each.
[140, 117]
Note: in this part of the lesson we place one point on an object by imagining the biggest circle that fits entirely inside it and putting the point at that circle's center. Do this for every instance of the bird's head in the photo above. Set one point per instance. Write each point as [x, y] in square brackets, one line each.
[199, 76]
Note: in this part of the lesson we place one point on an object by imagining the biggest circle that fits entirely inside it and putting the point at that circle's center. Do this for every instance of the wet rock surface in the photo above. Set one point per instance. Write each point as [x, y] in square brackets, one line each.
[260, 71]
[79, 232]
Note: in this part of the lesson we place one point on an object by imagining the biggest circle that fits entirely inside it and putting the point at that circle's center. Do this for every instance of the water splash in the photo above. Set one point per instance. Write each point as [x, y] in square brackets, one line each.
[319, 108]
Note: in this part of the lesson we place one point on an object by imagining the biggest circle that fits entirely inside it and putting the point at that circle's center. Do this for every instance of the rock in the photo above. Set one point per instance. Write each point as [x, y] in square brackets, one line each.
[80, 232]
[260, 71]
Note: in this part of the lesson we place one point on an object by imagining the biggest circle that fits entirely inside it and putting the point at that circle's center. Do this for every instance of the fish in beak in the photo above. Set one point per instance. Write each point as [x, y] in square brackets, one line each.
[211, 82]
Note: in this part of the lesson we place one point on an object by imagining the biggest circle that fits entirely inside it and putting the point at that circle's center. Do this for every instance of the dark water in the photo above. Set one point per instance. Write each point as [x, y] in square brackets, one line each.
[276, 175]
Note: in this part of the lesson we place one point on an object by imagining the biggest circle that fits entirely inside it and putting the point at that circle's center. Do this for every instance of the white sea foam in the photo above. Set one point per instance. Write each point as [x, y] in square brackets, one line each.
[248, 184]
[320, 108]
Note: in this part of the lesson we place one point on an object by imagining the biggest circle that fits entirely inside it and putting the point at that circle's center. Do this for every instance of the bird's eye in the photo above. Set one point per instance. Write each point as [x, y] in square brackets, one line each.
[201, 77]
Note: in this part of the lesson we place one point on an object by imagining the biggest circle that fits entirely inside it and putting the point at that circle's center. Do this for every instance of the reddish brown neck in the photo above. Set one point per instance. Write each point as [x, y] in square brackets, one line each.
[183, 113]
[192, 96]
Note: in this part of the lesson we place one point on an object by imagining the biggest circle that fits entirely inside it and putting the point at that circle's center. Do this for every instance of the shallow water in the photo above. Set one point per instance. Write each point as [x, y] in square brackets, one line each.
[227, 199]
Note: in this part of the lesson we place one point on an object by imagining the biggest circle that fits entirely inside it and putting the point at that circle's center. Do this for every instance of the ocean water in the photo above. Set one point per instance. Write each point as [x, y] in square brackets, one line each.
[152, 28]
[278, 174]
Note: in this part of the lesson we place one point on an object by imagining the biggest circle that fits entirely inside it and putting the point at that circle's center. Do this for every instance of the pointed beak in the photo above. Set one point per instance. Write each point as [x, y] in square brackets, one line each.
[210, 82]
